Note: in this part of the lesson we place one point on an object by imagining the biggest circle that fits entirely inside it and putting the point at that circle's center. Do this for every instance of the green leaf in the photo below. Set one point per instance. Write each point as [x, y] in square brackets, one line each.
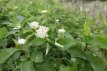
[45, 66]
[6, 53]
[67, 41]
[1, 68]
[15, 19]
[98, 41]
[38, 41]
[74, 67]
[64, 68]
[37, 57]
[84, 65]
[3, 32]
[97, 63]
[3, 43]
[27, 66]
[23, 22]
[10, 62]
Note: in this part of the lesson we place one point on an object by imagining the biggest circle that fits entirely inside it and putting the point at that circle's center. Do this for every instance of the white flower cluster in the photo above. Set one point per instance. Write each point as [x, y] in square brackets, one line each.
[41, 31]
[57, 20]
[61, 31]
[44, 11]
[34, 25]
[21, 41]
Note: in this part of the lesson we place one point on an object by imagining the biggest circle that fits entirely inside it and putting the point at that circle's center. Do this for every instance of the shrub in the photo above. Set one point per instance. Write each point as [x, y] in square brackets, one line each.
[42, 35]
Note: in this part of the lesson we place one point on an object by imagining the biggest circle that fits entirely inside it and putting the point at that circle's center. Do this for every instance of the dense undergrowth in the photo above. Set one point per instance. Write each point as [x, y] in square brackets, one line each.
[43, 35]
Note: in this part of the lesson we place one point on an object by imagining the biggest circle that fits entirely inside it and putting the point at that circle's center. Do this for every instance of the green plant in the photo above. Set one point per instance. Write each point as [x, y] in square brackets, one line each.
[43, 36]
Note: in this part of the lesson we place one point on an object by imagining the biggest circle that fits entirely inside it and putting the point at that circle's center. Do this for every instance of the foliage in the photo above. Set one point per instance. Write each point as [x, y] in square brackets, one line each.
[80, 46]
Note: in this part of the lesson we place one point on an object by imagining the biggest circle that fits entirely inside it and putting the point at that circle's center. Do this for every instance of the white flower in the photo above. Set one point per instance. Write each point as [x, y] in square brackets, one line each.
[57, 20]
[21, 41]
[44, 11]
[34, 25]
[61, 31]
[42, 32]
